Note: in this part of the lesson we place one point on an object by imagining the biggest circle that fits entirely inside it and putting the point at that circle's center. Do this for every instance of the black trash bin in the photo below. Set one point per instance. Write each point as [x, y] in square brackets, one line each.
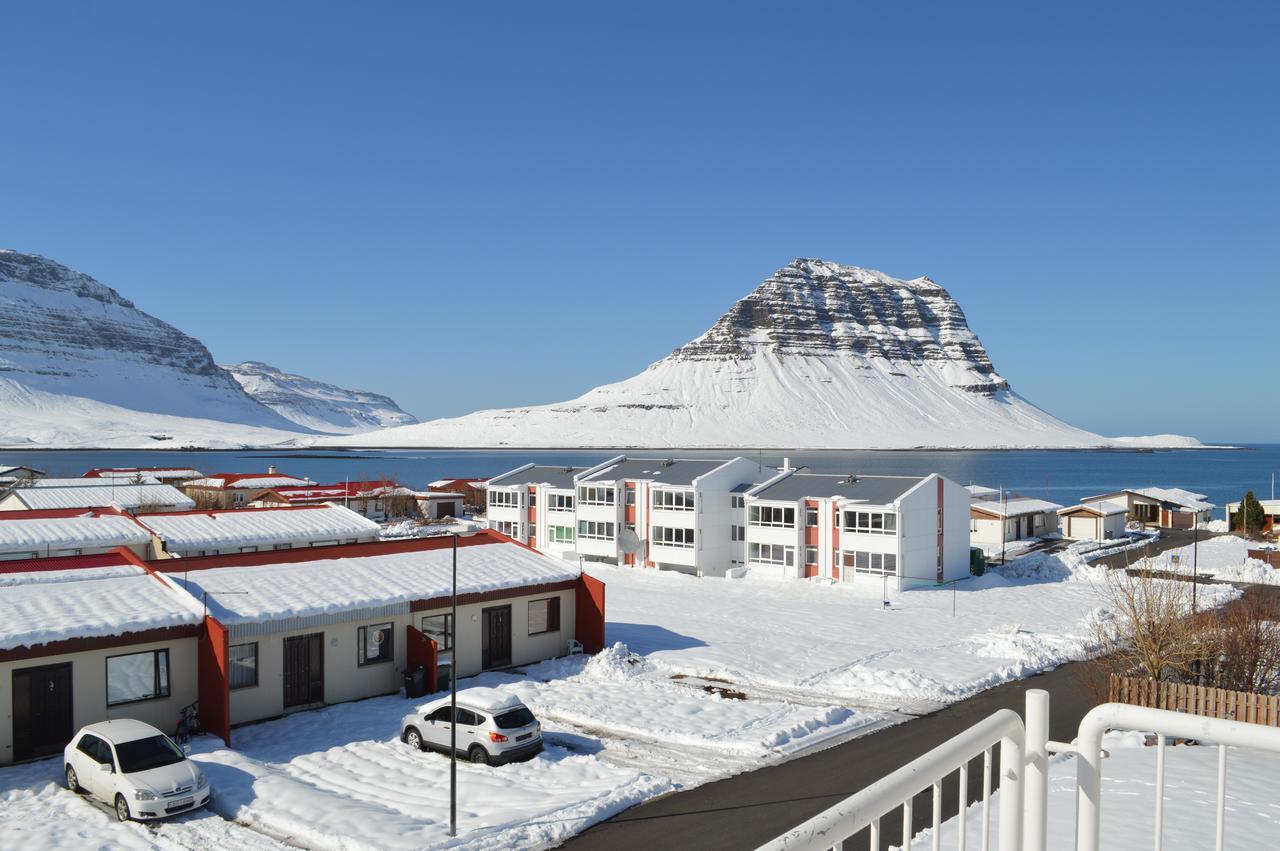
[415, 682]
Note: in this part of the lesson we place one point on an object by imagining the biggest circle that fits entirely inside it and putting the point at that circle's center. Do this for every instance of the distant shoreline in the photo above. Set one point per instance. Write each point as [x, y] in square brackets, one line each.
[311, 451]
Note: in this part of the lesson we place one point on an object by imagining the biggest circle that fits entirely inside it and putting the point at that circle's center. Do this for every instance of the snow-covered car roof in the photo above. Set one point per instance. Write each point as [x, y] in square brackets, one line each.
[479, 697]
[245, 527]
[121, 730]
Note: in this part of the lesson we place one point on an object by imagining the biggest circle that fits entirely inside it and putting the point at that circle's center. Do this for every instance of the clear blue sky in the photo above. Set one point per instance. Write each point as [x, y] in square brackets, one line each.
[446, 204]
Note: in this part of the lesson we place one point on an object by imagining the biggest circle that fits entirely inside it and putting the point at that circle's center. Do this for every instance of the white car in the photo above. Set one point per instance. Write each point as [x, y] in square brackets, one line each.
[134, 768]
[494, 727]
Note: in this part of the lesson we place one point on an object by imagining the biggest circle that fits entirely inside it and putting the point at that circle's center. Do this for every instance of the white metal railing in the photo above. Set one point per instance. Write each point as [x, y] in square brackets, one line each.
[1024, 776]
[867, 808]
[1122, 716]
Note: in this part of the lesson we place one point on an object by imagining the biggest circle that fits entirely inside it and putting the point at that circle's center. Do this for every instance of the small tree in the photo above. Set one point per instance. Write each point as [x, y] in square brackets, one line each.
[1251, 515]
[1238, 648]
[1149, 632]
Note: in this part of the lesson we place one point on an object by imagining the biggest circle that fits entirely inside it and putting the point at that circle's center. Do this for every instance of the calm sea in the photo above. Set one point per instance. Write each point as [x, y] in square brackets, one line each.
[1065, 477]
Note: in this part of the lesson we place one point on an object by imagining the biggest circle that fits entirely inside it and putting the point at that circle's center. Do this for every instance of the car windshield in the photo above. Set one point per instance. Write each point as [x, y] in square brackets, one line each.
[146, 754]
[518, 717]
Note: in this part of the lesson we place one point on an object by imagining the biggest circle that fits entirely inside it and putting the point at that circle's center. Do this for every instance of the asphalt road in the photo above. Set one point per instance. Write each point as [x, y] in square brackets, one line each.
[743, 811]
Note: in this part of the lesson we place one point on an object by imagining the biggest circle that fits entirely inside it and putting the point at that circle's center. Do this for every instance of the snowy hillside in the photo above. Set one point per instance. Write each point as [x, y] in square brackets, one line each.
[818, 356]
[81, 364]
[316, 405]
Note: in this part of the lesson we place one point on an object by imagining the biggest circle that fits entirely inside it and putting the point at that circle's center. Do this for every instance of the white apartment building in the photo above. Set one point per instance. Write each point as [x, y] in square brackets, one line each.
[535, 505]
[913, 529]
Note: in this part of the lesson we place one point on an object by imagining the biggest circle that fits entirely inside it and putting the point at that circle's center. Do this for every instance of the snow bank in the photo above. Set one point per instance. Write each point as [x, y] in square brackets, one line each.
[1225, 558]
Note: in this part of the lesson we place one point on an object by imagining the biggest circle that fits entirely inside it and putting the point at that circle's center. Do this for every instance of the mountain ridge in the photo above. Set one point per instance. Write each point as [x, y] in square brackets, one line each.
[316, 404]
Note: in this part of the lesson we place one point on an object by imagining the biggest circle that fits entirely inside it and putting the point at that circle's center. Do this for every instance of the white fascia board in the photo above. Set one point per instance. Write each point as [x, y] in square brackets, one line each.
[520, 469]
[767, 483]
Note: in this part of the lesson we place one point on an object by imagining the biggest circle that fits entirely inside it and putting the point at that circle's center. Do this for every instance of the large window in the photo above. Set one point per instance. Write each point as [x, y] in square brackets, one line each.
[375, 644]
[667, 536]
[503, 499]
[599, 530]
[771, 554]
[137, 676]
[510, 528]
[871, 522]
[242, 660]
[811, 517]
[595, 496]
[544, 615]
[560, 502]
[770, 515]
[673, 500]
[439, 630]
[875, 564]
[560, 534]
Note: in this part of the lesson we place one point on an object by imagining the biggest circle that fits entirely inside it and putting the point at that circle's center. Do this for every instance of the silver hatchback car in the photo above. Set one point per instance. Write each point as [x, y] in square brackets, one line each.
[494, 727]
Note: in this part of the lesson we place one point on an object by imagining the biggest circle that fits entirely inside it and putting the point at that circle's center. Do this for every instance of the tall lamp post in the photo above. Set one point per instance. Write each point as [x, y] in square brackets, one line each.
[456, 532]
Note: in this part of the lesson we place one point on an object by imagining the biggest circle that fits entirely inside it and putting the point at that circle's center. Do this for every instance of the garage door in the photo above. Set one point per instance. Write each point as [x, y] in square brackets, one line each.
[1082, 527]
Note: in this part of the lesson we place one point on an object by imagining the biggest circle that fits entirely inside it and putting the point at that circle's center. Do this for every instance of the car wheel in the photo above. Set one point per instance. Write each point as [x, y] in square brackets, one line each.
[478, 755]
[413, 739]
[73, 782]
[122, 808]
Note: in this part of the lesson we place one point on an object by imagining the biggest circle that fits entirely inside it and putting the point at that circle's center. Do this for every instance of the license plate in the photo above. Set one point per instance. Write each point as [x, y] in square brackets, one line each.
[181, 802]
[525, 736]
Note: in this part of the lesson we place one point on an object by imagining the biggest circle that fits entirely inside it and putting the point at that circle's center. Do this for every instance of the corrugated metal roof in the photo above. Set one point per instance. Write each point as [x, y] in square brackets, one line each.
[125, 496]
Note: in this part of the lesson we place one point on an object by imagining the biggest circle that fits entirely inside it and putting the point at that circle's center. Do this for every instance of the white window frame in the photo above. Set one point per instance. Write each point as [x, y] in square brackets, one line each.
[596, 495]
[672, 536]
[773, 516]
[665, 499]
[779, 555]
[869, 522]
[596, 530]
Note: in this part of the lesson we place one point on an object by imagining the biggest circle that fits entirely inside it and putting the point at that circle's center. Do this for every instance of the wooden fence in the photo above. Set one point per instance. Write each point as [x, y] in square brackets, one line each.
[1197, 700]
[1271, 557]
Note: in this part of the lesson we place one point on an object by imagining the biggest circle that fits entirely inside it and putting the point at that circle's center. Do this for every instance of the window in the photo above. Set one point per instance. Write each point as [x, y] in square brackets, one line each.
[375, 644]
[503, 499]
[544, 615]
[242, 660]
[248, 549]
[771, 554]
[137, 676]
[939, 521]
[560, 534]
[510, 528]
[811, 517]
[737, 533]
[673, 500]
[560, 502]
[96, 749]
[533, 499]
[871, 522]
[595, 496]
[667, 536]
[599, 530]
[769, 515]
[282, 546]
[1039, 521]
[810, 555]
[876, 564]
[737, 501]
[631, 495]
[439, 630]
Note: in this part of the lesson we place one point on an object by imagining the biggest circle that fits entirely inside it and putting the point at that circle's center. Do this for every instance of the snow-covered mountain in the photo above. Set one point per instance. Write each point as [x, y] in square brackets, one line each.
[316, 405]
[81, 365]
[820, 355]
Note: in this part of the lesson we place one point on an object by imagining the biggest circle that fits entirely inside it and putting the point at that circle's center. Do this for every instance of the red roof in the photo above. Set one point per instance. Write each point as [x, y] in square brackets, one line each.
[373, 548]
[338, 490]
[41, 565]
[214, 511]
[229, 479]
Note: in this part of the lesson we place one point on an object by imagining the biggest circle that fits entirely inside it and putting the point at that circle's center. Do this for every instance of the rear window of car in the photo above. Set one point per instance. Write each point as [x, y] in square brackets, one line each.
[518, 717]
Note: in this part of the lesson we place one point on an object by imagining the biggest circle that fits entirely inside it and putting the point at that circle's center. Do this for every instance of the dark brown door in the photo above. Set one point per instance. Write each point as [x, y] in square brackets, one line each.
[304, 670]
[41, 710]
[495, 638]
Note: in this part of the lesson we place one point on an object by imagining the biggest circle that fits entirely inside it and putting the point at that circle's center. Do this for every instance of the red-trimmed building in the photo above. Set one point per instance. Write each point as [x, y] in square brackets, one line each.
[234, 490]
[69, 532]
[168, 475]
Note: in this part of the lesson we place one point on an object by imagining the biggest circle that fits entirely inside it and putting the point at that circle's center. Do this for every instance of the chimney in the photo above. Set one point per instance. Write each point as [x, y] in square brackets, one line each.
[271, 469]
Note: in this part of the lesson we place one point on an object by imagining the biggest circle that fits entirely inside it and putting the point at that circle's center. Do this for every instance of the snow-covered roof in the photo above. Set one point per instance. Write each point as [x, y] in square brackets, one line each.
[46, 607]
[479, 697]
[292, 589]
[441, 483]
[981, 491]
[263, 481]
[129, 497]
[19, 534]
[1104, 508]
[324, 493]
[1177, 496]
[85, 483]
[244, 527]
[154, 472]
[1015, 506]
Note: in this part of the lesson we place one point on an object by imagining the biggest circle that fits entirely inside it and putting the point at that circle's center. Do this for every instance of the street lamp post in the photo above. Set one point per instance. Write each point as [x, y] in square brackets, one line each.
[456, 532]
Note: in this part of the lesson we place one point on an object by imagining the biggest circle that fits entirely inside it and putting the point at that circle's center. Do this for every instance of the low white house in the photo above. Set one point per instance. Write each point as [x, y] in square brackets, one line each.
[98, 638]
[69, 532]
[250, 530]
[136, 499]
[912, 529]
[993, 522]
[1099, 521]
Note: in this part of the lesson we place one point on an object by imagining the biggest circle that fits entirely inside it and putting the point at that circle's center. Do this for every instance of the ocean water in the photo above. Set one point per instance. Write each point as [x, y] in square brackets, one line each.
[1065, 477]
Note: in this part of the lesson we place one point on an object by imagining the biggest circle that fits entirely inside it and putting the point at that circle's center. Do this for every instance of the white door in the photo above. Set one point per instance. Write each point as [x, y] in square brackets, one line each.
[435, 730]
[1082, 527]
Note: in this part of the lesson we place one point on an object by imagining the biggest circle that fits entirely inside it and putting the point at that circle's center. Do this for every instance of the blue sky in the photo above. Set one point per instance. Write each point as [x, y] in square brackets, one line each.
[444, 203]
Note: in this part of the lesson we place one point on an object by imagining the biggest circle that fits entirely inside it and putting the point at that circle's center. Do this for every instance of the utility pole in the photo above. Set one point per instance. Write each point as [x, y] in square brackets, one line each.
[1195, 566]
[1004, 522]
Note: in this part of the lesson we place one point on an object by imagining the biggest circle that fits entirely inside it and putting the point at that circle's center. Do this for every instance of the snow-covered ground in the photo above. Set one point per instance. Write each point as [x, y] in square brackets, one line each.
[706, 678]
[1225, 558]
[1128, 799]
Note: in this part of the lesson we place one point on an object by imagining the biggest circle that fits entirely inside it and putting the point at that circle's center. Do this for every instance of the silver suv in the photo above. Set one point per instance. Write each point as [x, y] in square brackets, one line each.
[494, 727]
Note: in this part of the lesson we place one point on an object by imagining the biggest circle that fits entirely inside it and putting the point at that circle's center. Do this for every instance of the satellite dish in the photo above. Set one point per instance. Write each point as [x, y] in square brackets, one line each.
[629, 542]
